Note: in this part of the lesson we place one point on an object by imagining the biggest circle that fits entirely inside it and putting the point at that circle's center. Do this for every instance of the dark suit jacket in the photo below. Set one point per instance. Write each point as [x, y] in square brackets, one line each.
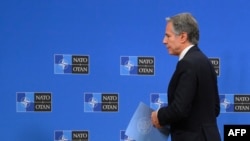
[193, 100]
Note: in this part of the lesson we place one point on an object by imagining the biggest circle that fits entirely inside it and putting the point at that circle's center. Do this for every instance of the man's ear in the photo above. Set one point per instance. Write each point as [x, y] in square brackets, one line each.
[184, 37]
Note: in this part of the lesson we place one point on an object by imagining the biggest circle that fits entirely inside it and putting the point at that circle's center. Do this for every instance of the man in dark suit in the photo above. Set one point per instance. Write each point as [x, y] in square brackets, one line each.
[193, 99]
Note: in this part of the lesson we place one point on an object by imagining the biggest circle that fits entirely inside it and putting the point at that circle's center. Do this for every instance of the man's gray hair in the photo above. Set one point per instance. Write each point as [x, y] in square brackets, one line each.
[185, 22]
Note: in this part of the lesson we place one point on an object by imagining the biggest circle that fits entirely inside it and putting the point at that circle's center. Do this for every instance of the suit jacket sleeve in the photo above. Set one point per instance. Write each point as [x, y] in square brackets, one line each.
[183, 86]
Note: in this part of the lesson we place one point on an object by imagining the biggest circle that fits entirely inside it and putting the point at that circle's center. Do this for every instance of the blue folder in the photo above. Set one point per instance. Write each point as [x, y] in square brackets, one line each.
[140, 127]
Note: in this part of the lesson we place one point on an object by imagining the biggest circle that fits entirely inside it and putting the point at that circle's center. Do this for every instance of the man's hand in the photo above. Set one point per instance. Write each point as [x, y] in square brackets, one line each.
[155, 120]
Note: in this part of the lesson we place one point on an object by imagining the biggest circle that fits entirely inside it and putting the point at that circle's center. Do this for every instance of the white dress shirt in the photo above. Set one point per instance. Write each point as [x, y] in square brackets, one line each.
[183, 53]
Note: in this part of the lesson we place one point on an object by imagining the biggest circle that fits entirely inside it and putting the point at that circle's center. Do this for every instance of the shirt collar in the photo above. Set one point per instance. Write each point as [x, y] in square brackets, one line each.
[183, 53]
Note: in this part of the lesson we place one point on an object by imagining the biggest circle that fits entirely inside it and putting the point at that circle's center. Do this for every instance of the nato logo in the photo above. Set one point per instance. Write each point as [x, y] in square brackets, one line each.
[33, 102]
[124, 137]
[158, 100]
[144, 125]
[137, 65]
[101, 102]
[216, 64]
[71, 64]
[230, 103]
[68, 135]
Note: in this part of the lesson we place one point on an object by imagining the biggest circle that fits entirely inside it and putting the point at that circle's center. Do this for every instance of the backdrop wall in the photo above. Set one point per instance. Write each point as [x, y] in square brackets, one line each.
[79, 68]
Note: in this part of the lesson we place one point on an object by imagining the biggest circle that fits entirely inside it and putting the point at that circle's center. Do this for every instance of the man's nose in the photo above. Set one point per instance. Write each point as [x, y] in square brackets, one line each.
[164, 40]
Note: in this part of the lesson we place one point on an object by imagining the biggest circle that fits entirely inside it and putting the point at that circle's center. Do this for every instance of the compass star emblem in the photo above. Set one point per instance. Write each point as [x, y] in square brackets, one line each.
[129, 65]
[64, 64]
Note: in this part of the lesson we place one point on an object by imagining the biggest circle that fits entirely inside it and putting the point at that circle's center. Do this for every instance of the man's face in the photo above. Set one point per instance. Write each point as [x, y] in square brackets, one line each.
[172, 41]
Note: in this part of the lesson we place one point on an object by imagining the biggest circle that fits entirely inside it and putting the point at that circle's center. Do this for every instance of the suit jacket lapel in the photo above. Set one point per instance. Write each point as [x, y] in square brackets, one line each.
[172, 84]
